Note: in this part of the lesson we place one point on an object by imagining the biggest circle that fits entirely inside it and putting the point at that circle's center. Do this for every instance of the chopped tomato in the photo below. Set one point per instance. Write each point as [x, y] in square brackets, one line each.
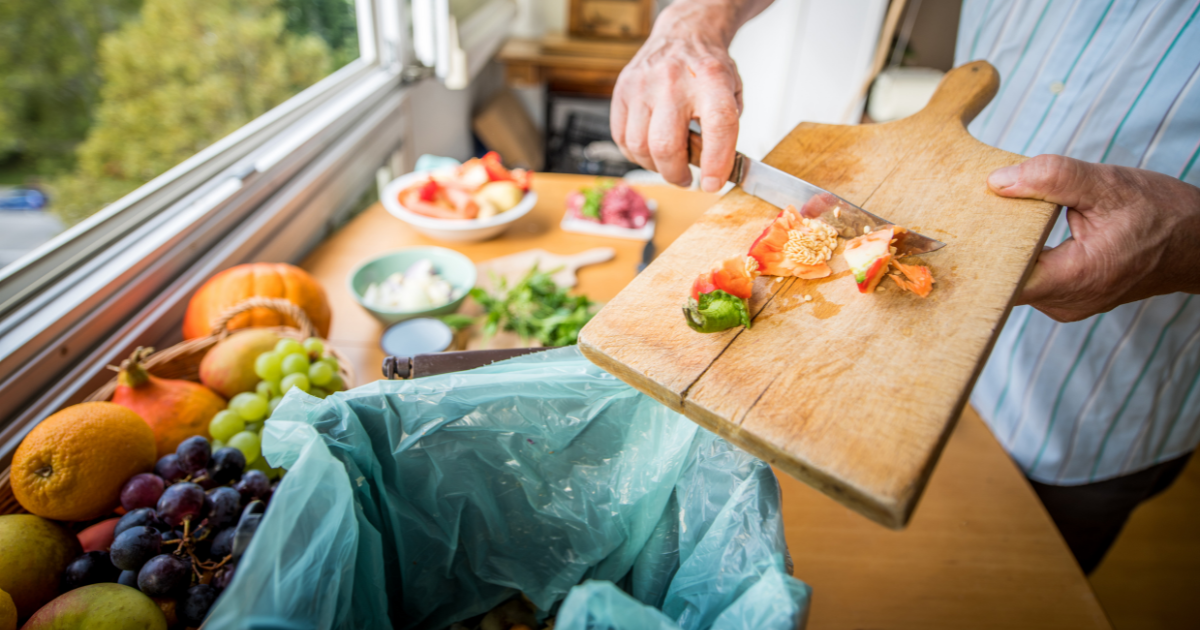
[916, 278]
[522, 178]
[793, 245]
[495, 168]
[734, 276]
[430, 190]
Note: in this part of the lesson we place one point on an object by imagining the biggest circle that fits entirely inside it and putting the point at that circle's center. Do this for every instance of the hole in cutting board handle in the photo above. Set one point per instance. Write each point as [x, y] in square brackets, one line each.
[962, 94]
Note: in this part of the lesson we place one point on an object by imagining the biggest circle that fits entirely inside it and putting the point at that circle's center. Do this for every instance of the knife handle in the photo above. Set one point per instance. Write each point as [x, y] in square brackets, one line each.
[696, 146]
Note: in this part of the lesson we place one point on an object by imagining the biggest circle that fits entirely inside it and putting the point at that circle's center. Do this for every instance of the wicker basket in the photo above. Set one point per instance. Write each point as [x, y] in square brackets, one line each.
[182, 361]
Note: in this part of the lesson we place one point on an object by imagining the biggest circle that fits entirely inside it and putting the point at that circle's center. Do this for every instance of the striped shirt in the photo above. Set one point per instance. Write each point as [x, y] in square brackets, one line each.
[1112, 81]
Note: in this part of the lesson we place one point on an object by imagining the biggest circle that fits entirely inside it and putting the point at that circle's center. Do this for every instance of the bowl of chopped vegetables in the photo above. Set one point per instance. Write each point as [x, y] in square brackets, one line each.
[473, 201]
[413, 282]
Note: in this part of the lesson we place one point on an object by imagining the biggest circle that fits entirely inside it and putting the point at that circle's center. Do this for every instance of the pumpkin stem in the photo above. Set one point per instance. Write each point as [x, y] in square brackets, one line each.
[133, 373]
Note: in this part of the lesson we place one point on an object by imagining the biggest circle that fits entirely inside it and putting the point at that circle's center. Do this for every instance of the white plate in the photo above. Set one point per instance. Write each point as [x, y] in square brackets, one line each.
[583, 226]
[458, 231]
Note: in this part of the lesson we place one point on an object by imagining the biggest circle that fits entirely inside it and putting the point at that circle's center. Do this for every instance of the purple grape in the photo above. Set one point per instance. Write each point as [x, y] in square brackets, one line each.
[224, 577]
[128, 578]
[181, 502]
[227, 465]
[141, 491]
[254, 485]
[134, 547]
[226, 506]
[141, 516]
[222, 545]
[164, 576]
[195, 604]
[92, 567]
[172, 535]
[205, 480]
[193, 454]
[168, 468]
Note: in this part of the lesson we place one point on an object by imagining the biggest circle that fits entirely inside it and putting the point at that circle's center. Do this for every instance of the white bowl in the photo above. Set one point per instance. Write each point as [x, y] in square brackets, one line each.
[453, 230]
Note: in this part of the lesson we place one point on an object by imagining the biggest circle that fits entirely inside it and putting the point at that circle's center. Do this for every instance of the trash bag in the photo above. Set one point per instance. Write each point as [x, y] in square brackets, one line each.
[417, 504]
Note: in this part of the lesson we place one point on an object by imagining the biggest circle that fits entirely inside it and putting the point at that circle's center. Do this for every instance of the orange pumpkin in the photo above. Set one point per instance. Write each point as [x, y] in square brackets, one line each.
[270, 280]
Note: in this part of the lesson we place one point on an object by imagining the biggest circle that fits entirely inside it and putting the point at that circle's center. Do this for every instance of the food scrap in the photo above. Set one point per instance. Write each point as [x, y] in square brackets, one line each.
[916, 278]
[478, 189]
[610, 203]
[868, 256]
[797, 243]
[793, 245]
[719, 299]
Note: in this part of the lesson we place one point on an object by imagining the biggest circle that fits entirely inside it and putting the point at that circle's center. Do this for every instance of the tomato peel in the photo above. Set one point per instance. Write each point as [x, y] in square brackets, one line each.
[917, 278]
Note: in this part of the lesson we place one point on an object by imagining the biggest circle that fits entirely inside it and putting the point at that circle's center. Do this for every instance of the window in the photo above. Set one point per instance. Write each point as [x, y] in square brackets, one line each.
[204, 134]
[102, 96]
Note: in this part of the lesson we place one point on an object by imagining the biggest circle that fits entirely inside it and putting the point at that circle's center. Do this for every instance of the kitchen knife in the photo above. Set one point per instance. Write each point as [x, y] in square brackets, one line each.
[781, 189]
[446, 362]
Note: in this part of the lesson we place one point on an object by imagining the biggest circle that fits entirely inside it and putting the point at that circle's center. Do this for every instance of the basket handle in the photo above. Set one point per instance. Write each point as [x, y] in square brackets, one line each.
[283, 307]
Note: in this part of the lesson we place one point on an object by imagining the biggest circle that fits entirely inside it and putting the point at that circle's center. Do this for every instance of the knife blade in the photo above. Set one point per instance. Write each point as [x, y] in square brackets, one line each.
[446, 362]
[781, 189]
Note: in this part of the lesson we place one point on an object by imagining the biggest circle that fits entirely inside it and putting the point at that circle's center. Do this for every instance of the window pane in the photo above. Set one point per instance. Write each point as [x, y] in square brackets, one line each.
[98, 97]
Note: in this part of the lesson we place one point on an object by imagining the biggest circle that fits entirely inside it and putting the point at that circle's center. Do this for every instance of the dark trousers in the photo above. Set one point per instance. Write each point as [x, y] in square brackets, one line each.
[1091, 516]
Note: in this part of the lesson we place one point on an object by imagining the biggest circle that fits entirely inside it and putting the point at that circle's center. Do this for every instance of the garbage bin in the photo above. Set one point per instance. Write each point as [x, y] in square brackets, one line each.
[421, 503]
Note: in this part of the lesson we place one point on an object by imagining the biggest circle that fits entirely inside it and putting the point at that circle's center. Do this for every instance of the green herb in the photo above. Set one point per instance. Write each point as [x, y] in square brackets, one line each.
[535, 308]
[716, 311]
[457, 322]
[593, 197]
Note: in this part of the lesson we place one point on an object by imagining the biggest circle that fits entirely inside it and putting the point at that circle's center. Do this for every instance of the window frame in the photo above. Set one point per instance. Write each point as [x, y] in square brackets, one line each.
[113, 281]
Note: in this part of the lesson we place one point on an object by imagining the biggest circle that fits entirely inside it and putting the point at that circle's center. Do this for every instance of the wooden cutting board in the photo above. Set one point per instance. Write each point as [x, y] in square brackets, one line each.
[853, 394]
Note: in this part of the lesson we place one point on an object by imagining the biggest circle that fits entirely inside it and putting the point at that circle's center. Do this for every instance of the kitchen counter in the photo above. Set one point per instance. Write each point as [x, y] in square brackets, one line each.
[980, 551]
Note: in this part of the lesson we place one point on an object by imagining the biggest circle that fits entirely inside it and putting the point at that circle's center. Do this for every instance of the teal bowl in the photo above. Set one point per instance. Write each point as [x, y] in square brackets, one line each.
[455, 268]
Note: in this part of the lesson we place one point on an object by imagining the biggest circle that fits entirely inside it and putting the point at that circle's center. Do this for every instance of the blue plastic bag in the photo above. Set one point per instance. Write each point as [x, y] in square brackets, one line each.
[415, 504]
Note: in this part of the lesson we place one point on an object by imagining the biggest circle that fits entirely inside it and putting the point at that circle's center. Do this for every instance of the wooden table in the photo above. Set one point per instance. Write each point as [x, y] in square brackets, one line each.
[980, 552]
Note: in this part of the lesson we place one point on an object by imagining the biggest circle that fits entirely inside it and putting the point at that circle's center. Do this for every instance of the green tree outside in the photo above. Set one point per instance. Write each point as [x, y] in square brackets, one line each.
[186, 74]
[48, 79]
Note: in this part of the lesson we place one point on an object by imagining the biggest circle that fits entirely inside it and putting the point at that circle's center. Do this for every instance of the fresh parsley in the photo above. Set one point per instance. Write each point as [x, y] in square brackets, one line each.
[535, 308]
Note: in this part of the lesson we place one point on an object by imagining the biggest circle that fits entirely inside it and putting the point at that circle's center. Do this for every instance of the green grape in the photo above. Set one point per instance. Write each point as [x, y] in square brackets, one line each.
[275, 403]
[268, 389]
[248, 443]
[217, 445]
[295, 364]
[262, 465]
[249, 406]
[318, 392]
[267, 366]
[314, 347]
[225, 424]
[320, 373]
[288, 346]
[335, 384]
[254, 427]
[299, 381]
[331, 360]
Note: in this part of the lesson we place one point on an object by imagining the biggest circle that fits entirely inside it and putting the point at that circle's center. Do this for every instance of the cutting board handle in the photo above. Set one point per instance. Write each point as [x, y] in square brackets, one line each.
[961, 95]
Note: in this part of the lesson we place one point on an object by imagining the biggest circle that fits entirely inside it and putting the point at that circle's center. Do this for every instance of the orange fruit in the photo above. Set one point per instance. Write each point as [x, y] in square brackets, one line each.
[72, 465]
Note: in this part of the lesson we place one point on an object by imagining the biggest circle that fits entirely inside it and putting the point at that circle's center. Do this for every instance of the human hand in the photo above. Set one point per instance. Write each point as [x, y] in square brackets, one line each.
[683, 71]
[1134, 234]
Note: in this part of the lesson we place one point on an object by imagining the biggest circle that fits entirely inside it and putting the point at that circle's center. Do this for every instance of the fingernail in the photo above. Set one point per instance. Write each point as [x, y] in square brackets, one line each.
[710, 184]
[1002, 178]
